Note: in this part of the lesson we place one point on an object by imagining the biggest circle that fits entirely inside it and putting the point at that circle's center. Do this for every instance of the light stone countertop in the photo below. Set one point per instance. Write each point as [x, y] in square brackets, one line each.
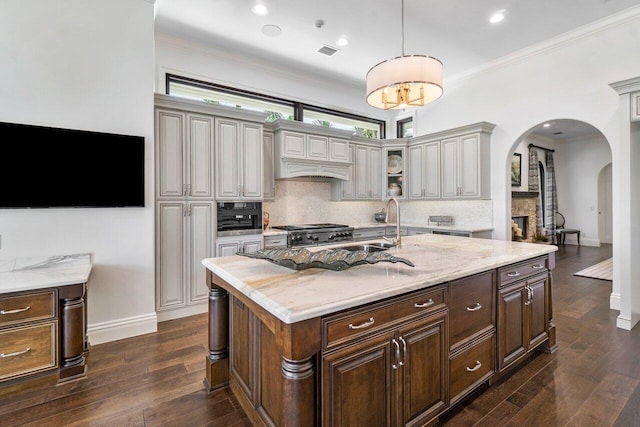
[293, 296]
[454, 227]
[24, 274]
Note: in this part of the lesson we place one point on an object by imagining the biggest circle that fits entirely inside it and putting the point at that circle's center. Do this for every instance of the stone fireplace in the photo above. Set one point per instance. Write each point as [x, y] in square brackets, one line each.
[523, 211]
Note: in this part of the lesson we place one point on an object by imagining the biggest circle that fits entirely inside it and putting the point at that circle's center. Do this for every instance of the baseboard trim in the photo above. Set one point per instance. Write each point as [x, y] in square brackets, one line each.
[614, 301]
[627, 323]
[177, 313]
[114, 330]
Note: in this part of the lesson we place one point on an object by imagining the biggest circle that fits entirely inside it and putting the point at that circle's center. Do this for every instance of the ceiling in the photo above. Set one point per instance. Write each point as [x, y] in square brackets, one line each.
[457, 32]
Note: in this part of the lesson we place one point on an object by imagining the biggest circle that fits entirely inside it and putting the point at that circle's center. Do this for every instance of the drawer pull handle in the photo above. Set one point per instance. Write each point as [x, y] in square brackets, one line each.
[475, 368]
[514, 274]
[424, 304]
[477, 307]
[537, 266]
[17, 353]
[17, 310]
[362, 325]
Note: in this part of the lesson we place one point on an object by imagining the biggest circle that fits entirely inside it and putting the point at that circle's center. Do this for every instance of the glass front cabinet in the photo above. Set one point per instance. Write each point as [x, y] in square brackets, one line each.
[395, 168]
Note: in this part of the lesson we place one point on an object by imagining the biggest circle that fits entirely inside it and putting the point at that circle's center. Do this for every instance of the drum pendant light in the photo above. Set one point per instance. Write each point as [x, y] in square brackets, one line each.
[405, 81]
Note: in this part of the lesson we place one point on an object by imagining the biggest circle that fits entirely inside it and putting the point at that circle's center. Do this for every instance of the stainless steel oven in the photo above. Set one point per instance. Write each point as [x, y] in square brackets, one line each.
[239, 218]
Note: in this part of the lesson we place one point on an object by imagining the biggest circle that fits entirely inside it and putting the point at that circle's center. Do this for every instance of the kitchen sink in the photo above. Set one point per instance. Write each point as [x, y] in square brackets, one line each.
[368, 247]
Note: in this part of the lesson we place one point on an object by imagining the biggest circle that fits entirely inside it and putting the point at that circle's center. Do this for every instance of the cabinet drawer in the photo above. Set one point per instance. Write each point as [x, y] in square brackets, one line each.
[275, 242]
[472, 307]
[27, 307]
[472, 366]
[354, 324]
[27, 350]
[528, 268]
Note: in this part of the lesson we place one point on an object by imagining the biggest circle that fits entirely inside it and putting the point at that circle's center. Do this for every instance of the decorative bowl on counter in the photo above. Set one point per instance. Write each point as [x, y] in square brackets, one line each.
[380, 216]
[331, 259]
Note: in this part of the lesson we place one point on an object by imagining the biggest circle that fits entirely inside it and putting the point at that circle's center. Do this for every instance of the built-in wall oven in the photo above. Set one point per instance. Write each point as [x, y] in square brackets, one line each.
[239, 218]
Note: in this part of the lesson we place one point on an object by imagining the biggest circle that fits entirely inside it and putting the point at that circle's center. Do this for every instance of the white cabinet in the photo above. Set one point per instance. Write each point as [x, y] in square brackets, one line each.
[369, 233]
[184, 237]
[238, 160]
[268, 181]
[302, 149]
[424, 171]
[368, 172]
[345, 189]
[227, 246]
[275, 241]
[184, 154]
[635, 107]
[394, 166]
[465, 167]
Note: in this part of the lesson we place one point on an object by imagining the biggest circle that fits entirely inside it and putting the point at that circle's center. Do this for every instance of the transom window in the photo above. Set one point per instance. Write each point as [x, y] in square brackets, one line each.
[277, 108]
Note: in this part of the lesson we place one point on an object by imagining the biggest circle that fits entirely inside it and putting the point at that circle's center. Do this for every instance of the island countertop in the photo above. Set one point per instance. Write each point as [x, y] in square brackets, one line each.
[294, 296]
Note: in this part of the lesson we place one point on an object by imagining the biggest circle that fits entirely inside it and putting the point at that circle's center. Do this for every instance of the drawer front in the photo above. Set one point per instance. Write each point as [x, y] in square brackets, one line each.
[27, 307]
[275, 242]
[472, 366]
[514, 272]
[27, 350]
[472, 306]
[348, 326]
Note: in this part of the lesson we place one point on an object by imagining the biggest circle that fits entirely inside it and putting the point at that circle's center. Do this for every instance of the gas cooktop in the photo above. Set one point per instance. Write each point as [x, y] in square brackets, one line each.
[304, 227]
[316, 234]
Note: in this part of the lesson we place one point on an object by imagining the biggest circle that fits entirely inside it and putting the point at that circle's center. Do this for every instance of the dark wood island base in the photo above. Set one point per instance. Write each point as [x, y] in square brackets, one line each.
[403, 360]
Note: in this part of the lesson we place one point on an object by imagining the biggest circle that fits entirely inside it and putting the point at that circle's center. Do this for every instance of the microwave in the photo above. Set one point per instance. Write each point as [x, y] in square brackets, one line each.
[238, 218]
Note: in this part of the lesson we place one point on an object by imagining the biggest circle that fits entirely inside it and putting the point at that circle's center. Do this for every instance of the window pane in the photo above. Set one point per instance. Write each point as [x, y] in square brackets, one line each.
[405, 128]
[276, 110]
[360, 127]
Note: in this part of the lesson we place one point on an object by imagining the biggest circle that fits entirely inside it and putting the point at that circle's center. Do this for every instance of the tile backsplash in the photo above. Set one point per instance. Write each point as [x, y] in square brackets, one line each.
[308, 201]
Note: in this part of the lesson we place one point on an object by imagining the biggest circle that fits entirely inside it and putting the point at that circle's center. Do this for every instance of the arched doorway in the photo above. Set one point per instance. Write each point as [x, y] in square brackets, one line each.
[577, 152]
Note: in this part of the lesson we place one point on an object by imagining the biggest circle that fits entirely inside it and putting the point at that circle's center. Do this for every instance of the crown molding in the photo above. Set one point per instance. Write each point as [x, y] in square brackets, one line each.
[626, 86]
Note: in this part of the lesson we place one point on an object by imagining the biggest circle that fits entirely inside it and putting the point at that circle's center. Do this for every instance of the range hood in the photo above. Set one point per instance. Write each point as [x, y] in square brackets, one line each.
[306, 150]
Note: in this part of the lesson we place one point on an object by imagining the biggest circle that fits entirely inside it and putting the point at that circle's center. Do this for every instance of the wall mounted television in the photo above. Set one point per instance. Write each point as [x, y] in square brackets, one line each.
[45, 167]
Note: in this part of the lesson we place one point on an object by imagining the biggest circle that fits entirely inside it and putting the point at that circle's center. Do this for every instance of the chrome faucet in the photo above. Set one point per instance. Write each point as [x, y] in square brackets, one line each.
[398, 240]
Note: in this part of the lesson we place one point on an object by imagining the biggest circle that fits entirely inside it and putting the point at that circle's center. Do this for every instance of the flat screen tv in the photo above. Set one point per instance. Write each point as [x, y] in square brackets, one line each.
[45, 167]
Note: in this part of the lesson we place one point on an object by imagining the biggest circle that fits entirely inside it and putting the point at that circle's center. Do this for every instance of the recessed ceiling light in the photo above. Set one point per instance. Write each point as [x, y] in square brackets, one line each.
[497, 17]
[342, 41]
[260, 9]
[546, 125]
[271, 30]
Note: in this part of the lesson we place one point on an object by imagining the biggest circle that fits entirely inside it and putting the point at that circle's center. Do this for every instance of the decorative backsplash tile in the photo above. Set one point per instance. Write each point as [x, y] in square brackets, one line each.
[300, 201]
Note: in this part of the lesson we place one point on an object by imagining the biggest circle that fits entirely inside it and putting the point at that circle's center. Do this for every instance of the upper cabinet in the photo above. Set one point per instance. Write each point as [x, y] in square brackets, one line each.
[394, 160]
[635, 107]
[424, 171]
[268, 181]
[184, 154]
[302, 149]
[238, 160]
[368, 172]
[451, 165]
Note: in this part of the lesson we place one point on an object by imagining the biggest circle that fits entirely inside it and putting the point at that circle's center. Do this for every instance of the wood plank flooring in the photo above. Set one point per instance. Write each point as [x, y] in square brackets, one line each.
[157, 379]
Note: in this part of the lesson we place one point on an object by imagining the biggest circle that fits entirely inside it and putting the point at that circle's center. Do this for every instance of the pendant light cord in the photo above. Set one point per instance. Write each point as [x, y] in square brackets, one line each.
[402, 37]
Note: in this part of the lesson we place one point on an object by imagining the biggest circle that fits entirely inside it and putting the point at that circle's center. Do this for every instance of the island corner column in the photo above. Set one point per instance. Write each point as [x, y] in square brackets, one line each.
[217, 361]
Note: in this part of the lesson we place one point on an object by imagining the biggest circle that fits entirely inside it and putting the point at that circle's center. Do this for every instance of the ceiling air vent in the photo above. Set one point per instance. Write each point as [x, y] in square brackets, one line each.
[558, 133]
[328, 50]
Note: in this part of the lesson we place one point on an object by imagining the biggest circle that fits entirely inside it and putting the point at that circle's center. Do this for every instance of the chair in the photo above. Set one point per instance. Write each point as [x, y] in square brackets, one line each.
[561, 231]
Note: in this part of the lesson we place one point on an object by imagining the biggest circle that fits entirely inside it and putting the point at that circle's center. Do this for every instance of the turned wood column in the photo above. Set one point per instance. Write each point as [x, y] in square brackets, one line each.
[550, 346]
[299, 387]
[217, 362]
[72, 331]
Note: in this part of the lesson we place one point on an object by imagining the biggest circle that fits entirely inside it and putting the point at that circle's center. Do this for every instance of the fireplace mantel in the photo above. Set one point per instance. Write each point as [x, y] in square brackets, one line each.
[524, 194]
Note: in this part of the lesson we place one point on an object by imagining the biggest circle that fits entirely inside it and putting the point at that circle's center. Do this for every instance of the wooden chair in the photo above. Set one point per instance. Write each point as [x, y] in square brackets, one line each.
[561, 231]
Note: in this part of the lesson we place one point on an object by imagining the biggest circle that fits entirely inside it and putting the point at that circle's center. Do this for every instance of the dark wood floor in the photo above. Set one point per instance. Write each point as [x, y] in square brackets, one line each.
[157, 379]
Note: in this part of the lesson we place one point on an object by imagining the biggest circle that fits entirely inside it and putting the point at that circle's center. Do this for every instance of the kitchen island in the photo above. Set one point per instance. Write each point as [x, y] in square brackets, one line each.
[380, 344]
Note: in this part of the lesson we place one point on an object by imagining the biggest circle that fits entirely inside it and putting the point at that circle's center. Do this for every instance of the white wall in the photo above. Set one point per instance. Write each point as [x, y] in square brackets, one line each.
[578, 165]
[85, 65]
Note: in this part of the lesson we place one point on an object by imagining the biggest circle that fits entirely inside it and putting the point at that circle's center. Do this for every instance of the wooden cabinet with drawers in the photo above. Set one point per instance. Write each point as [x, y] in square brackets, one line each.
[524, 310]
[472, 332]
[386, 363]
[43, 331]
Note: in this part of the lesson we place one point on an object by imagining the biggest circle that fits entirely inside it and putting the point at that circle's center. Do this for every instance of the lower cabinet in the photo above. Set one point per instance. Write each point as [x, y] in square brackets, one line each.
[227, 246]
[398, 377]
[184, 232]
[523, 316]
